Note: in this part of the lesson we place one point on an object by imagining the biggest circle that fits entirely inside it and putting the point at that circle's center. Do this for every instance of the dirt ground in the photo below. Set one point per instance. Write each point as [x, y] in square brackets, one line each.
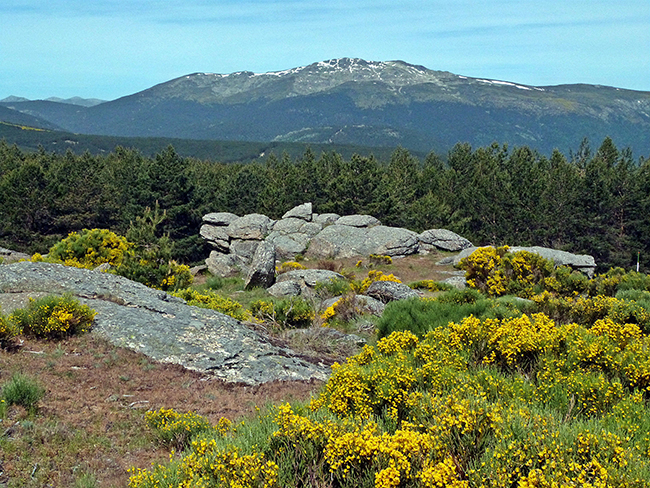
[96, 395]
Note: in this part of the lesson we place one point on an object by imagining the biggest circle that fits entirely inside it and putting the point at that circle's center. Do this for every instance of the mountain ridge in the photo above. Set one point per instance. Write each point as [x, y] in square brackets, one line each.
[353, 101]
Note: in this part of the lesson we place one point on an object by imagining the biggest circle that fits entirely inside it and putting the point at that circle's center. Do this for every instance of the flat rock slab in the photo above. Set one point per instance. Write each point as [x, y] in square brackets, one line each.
[220, 218]
[163, 327]
[444, 239]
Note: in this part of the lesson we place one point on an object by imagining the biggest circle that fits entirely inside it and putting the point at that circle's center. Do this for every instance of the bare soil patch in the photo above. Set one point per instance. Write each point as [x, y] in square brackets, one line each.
[91, 418]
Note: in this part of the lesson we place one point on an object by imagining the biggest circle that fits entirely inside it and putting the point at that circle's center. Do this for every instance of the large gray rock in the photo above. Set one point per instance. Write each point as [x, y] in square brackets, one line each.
[309, 277]
[310, 229]
[338, 241]
[389, 291]
[285, 289]
[363, 303]
[370, 305]
[244, 250]
[288, 246]
[251, 226]
[303, 212]
[216, 236]
[580, 262]
[444, 239]
[344, 241]
[220, 264]
[458, 282]
[164, 327]
[220, 218]
[326, 218]
[262, 270]
[391, 241]
[9, 256]
[358, 221]
[288, 225]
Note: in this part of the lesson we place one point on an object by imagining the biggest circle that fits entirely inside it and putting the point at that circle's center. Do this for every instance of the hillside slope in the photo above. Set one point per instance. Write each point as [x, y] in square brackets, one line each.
[352, 101]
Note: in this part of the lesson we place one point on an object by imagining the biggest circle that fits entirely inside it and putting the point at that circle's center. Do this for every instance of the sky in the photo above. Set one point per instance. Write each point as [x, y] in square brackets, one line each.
[111, 48]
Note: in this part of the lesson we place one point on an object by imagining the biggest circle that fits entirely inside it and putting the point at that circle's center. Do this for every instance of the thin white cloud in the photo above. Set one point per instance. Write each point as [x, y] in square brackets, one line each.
[113, 48]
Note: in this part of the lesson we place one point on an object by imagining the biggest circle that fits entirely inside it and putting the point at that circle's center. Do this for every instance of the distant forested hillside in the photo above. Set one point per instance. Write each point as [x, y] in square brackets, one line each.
[590, 201]
[33, 137]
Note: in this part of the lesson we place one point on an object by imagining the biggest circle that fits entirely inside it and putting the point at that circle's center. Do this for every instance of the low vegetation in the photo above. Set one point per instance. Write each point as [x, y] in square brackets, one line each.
[460, 390]
[534, 376]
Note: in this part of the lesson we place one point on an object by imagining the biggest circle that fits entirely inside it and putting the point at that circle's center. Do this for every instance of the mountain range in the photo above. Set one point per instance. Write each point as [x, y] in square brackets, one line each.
[352, 101]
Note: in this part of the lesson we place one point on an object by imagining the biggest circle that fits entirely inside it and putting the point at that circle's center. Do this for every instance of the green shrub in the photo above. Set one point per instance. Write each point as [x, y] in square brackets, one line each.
[635, 281]
[53, 317]
[466, 295]
[507, 307]
[642, 297]
[430, 285]
[332, 288]
[420, 316]
[149, 261]
[8, 331]
[22, 390]
[294, 312]
[90, 248]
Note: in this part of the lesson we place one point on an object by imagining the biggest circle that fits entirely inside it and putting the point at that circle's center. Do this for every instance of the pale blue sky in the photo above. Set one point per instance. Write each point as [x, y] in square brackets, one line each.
[111, 48]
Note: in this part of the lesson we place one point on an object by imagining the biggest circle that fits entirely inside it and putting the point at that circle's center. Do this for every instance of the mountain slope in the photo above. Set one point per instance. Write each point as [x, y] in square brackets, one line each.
[352, 101]
[14, 117]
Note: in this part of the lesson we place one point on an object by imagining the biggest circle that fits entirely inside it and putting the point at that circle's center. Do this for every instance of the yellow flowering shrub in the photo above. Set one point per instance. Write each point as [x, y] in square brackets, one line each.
[8, 330]
[90, 248]
[294, 312]
[211, 300]
[380, 259]
[373, 275]
[263, 310]
[53, 317]
[496, 272]
[288, 266]
[176, 429]
[493, 403]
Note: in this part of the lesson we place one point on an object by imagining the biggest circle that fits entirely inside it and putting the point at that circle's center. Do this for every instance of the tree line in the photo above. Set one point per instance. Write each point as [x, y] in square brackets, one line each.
[595, 202]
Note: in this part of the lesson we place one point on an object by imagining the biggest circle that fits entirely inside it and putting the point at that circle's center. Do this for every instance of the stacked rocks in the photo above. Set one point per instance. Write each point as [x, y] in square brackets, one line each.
[324, 236]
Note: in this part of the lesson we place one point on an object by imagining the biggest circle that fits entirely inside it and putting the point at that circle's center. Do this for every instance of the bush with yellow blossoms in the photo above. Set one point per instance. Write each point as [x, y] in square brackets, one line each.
[212, 300]
[514, 402]
[53, 317]
[90, 248]
[373, 275]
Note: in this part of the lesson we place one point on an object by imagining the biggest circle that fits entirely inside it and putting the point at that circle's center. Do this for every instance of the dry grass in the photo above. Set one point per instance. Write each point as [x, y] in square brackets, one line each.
[89, 428]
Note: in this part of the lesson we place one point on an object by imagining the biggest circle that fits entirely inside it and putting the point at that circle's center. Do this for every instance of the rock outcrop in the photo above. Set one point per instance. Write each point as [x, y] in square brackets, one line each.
[307, 279]
[9, 256]
[319, 236]
[163, 327]
[390, 291]
[262, 270]
[443, 239]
